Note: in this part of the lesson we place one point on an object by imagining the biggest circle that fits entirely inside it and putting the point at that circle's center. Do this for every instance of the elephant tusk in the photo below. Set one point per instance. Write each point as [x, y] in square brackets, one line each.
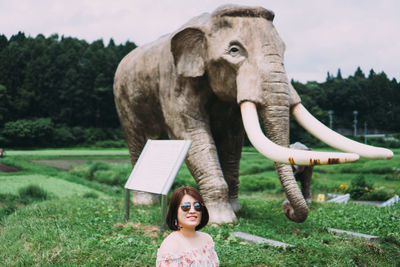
[335, 140]
[282, 154]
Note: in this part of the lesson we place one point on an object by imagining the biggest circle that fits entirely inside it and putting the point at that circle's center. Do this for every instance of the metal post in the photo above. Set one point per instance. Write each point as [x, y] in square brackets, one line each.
[163, 213]
[127, 204]
[355, 112]
[365, 132]
[330, 112]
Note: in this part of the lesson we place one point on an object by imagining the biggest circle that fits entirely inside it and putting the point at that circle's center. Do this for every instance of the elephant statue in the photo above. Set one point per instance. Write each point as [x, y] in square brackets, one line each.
[210, 81]
[303, 173]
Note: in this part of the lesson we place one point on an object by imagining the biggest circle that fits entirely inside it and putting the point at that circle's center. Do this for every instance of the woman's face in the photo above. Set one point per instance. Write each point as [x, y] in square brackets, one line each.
[191, 218]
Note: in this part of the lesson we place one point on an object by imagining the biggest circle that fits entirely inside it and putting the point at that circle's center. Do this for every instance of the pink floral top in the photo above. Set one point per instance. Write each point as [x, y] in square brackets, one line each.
[199, 257]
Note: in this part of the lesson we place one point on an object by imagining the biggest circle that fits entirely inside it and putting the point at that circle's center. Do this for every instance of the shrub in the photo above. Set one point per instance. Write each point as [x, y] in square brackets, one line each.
[111, 143]
[103, 172]
[379, 194]
[90, 194]
[96, 166]
[32, 192]
[342, 189]
[359, 187]
[63, 136]
[29, 133]
[110, 177]
[8, 204]
[80, 170]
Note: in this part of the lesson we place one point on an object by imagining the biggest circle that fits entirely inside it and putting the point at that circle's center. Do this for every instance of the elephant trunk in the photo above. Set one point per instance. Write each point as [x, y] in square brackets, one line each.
[275, 120]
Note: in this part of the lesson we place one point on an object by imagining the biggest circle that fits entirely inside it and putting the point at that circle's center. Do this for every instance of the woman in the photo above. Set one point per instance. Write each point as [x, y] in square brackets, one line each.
[185, 246]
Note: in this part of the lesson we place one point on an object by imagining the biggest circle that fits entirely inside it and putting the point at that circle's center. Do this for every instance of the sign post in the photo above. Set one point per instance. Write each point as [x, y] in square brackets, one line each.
[155, 171]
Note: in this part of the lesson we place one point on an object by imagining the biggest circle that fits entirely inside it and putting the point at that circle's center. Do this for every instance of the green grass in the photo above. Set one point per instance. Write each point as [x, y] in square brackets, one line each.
[55, 186]
[80, 232]
[74, 229]
[73, 152]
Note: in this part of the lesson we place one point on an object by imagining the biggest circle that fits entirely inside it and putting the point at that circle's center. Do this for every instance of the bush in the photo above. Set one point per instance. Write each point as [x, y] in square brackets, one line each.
[8, 204]
[29, 133]
[80, 170]
[110, 177]
[63, 136]
[111, 143]
[32, 192]
[103, 172]
[359, 187]
[379, 194]
[97, 166]
[90, 194]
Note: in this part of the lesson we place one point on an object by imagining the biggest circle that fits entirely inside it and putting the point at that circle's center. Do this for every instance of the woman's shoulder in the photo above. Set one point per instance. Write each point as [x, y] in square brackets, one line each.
[170, 243]
[206, 238]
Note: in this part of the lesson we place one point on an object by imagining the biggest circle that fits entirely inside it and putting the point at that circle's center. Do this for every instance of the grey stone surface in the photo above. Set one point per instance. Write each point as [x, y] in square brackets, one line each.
[354, 234]
[390, 202]
[341, 199]
[370, 203]
[260, 240]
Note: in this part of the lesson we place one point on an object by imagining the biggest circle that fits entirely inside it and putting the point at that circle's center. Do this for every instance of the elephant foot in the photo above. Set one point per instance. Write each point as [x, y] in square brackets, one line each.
[142, 198]
[235, 204]
[220, 212]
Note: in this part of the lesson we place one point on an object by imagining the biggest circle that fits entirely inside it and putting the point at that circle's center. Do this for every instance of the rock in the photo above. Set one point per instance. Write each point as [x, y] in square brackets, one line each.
[260, 240]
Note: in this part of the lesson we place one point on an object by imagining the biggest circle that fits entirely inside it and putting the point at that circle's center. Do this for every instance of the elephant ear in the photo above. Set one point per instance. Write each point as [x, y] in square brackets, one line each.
[188, 48]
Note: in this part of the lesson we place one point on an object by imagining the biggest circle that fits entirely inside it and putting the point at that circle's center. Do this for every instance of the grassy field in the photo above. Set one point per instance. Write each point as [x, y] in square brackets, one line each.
[56, 187]
[74, 228]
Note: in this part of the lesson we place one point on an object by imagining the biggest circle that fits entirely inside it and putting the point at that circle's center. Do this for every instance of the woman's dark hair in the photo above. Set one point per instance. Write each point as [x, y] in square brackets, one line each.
[176, 198]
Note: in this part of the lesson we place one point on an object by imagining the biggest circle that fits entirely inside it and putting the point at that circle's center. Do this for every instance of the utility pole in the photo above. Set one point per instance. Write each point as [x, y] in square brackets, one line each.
[330, 112]
[365, 132]
[355, 112]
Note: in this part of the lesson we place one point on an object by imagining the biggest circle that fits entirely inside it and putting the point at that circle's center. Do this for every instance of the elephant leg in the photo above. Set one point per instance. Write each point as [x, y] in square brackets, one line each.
[306, 183]
[303, 173]
[202, 161]
[136, 140]
[228, 133]
[189, 118]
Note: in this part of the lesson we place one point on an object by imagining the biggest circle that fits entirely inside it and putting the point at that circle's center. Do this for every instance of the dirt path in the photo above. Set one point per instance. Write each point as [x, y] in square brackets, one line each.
[8, 168]
[66, 164]
[61, 164]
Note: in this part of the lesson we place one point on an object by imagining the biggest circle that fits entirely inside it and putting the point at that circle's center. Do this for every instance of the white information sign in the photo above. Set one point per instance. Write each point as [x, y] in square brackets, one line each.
[157, 166]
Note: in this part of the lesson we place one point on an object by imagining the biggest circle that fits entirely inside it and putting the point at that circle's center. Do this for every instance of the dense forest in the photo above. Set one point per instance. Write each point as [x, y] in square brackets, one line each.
[57, 91]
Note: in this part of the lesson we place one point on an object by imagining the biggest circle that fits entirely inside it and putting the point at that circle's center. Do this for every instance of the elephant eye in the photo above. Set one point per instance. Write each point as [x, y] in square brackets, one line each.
[234, 50]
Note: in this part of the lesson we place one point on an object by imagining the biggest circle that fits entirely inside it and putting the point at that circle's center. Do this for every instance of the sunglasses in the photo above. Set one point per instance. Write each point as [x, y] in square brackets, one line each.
[185, 206]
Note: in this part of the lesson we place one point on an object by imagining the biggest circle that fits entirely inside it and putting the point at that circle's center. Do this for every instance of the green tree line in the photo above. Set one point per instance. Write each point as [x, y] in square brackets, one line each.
[375, 97]
[57, 91]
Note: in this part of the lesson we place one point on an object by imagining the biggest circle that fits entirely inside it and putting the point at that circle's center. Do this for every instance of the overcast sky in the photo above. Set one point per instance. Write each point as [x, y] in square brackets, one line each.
[320, 35]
